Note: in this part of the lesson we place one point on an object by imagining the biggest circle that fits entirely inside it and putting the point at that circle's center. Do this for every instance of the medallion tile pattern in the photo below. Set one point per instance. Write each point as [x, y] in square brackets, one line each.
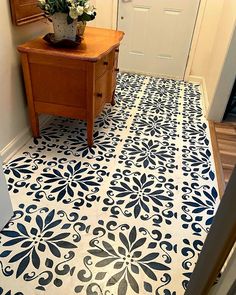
[127, 216]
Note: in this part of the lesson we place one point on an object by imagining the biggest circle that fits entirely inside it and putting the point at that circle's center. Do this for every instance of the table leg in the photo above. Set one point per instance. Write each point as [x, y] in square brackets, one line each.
[113, 102]
[33, 116]
[90, 132]
[34, 121]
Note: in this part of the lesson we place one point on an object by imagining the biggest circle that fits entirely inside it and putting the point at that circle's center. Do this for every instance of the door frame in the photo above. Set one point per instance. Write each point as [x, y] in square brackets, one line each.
[115, 12]
[196, 31]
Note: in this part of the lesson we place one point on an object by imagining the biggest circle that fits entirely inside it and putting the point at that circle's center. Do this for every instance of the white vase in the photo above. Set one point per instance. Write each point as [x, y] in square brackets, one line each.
[63, 30]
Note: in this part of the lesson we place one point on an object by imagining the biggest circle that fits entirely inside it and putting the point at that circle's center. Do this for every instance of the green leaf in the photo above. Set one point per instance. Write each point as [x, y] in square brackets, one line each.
[69, 20]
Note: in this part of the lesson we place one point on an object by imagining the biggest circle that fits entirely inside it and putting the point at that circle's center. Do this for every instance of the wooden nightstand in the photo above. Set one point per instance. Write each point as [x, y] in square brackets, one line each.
[74, 83]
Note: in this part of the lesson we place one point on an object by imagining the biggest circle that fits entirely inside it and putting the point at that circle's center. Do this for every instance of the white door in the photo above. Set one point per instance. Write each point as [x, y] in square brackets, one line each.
[158, 35]
[6, 211]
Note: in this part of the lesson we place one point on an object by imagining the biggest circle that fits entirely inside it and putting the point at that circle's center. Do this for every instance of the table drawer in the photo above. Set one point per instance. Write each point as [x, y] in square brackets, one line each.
[116, 58]
[106, 63]
[115, 69]
[101, 92]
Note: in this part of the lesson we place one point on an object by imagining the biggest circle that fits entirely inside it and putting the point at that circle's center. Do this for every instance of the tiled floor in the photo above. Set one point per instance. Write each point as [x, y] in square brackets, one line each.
[128, 216]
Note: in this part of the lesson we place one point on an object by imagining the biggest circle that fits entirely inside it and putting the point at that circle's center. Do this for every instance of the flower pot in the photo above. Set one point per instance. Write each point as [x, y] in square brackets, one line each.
[63, 30]
[81, 27]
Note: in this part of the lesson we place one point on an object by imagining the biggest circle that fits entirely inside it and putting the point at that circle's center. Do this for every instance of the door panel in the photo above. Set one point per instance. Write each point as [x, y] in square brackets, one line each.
[158, 35]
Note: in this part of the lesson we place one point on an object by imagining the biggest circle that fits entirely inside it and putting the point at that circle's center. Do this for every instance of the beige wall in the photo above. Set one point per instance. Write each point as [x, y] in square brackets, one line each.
[213, 46]
[6, 211]
[13, 112]
[106, 13]
[207, 34]
[218, 76]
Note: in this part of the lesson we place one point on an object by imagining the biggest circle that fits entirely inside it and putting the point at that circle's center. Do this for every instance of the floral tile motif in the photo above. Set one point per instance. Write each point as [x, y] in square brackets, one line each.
[154, 126]
[161, 97]
[127, 216]
[141, 195]
[130, 82]
[103, 149]
[192, 109]
[113, 119]
[120, 255]
[21, 170]
[190, 251]
[199, 206]
[74, 143]
[37, 241]
[149, 153]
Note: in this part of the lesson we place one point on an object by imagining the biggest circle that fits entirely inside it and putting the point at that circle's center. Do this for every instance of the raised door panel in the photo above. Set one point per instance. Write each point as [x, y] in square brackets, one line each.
[25, 11]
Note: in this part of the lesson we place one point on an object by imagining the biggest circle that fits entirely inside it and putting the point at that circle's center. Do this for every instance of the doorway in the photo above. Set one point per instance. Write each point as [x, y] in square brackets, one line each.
[158, 35]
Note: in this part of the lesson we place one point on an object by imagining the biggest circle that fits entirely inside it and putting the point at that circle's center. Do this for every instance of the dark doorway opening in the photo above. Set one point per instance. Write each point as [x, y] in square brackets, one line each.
[230, 112]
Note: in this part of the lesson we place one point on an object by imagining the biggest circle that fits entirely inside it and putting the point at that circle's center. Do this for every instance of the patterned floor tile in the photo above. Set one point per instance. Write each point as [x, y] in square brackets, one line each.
[154, 154]
[127, 216]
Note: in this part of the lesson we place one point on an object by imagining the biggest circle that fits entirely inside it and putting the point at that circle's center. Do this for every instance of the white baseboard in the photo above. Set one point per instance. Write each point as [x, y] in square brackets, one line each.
[17, 143]
[205, 100]
[20, 140]
[125, 70]
[195, 79]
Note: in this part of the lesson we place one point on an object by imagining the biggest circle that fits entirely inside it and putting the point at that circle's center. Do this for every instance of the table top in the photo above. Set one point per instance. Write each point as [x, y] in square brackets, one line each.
[97, 42]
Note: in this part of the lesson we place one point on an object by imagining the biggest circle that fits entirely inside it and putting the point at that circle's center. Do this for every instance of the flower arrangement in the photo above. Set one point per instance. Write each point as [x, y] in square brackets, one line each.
[81, 10]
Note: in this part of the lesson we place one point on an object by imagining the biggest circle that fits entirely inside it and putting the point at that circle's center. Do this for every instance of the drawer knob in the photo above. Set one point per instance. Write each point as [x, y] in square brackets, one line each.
[117, 70]
[99, 94]
[105, 63]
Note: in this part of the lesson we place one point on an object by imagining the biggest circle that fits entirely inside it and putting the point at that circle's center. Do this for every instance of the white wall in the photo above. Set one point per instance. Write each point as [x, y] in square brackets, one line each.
[6, 211]
[212, 48]
[222, 67]
[106, 14]
[13, 110]
[207, 34]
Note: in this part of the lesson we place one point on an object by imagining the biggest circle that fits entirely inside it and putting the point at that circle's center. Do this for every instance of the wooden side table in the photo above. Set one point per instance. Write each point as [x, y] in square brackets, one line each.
[74, 83]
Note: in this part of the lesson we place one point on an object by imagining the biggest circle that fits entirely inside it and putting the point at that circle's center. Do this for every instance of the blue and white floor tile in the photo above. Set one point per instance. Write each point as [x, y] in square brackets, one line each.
[128, 216]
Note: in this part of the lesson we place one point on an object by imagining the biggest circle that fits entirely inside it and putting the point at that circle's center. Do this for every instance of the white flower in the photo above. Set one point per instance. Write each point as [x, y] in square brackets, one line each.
[73, 12]
[80, 10]
[42, 4]
[88, 8]
[47, 7]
